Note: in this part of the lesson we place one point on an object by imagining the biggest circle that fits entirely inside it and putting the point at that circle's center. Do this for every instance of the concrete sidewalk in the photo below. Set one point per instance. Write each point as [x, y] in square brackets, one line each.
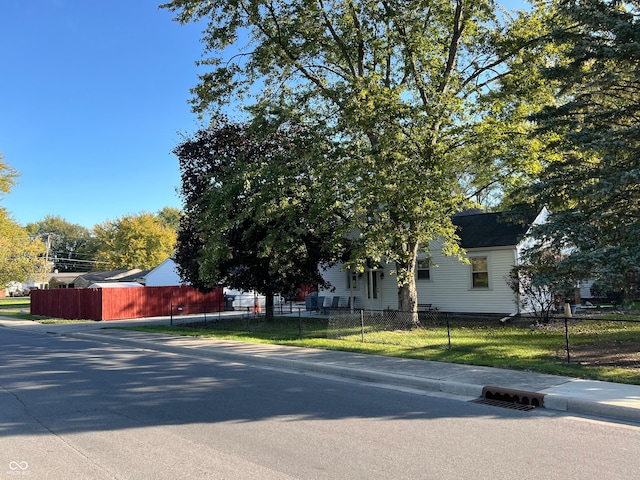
[603, 399]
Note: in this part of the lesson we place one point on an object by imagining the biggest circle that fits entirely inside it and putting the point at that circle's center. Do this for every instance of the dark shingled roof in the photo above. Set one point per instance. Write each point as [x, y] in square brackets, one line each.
[489, 230]
[102, 276]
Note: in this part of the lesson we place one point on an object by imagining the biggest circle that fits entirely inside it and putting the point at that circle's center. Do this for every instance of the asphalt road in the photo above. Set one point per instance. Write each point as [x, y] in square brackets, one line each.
[73, 408]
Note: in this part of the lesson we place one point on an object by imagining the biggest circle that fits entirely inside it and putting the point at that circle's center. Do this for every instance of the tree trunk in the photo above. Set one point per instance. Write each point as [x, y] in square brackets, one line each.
[407, 291]
[408, 302]
[408, 296]
[268, 305]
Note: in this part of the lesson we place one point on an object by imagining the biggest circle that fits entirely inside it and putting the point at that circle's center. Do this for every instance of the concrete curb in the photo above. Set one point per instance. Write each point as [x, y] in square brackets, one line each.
[570, 404]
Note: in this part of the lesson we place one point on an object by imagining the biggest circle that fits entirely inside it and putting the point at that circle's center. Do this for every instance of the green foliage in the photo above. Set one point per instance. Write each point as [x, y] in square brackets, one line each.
[593, 191]
[404, 87]
[134, 241]
[71, 247]
[542, 281]
[8, 177]
[170, 217]
[21, 256]
[255, 210]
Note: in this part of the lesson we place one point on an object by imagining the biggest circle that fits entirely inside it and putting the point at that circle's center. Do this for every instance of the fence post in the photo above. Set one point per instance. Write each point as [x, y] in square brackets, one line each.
[299, 323]
[448, 330]
[566, 336]
[171, 315]
[362, 324]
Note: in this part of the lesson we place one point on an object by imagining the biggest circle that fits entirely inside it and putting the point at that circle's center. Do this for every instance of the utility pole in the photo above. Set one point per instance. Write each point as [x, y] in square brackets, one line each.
[48, 245]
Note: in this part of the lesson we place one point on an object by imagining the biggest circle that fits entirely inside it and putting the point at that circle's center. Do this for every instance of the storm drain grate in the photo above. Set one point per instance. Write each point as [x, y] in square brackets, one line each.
[504, 404]
[508, 398]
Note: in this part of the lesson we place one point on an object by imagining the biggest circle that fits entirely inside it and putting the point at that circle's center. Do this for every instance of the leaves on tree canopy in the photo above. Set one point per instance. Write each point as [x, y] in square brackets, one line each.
[595, 190]
[8, 176]
[21, 256]
[134, 241]
[256, 216]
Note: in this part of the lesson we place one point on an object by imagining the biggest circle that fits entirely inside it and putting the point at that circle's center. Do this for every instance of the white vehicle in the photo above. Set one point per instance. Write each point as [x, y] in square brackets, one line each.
[240, 300]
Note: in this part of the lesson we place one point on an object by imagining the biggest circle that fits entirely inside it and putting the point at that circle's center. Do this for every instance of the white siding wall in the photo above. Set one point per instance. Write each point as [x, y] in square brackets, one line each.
[339, 287]
[387, 288]
[449, 288]
[164, 275]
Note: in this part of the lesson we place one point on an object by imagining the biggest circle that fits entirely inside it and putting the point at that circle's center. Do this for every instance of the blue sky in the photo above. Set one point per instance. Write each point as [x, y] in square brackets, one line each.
[93, 95]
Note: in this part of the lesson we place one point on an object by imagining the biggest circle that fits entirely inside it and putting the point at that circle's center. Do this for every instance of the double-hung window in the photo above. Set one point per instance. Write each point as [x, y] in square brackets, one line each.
[423, 270]
[479, 272]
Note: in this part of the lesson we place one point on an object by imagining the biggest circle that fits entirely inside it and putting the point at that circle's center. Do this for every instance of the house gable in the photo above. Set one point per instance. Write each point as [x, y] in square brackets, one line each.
[165, 274]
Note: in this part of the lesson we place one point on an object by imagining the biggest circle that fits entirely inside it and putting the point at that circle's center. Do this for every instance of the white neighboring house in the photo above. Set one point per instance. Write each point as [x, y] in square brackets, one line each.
[164, 275]
[493, 245]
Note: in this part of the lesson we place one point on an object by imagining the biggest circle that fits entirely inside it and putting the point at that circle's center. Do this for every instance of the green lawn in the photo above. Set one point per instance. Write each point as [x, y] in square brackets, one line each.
[14, 302]
[15, 307]
[20, 307]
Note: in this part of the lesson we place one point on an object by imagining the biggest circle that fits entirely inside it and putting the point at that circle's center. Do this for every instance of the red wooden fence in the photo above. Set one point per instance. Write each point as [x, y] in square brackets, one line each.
[119, 303]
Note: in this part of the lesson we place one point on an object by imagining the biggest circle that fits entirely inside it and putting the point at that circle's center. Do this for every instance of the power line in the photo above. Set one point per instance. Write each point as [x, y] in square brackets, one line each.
[73, 260]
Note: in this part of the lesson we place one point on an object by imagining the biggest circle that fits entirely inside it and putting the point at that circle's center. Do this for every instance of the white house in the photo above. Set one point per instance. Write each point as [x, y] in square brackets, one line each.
[493, 245]
[164, 275]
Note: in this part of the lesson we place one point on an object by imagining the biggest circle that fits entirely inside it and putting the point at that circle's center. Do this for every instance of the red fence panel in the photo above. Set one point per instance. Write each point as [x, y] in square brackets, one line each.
[119, 303]
[68, 303]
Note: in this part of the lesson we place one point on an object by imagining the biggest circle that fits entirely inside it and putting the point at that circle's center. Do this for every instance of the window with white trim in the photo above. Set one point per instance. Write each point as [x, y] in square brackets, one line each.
[479, 272]
[422, 270]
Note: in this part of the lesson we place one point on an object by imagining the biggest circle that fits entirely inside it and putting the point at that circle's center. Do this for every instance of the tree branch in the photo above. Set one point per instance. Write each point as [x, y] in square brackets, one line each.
[341, 45]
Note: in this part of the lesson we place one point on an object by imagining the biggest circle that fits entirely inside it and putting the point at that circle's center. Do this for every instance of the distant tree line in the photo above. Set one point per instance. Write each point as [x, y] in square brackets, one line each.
[142, 240]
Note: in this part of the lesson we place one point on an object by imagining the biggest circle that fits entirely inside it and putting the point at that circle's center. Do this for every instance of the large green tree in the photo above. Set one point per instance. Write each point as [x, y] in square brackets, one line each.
[594, 191]
[134, 241]
[254, 216]
[71, 247]
[404, 86]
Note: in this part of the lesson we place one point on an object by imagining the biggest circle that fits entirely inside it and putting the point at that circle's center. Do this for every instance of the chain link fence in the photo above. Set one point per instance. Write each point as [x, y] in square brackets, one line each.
[381, 326]
[590, 340]
[232, 306]
[585, 339]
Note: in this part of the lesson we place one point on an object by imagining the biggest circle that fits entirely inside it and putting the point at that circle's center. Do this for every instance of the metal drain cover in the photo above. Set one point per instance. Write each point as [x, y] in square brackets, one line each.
[504, 404]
